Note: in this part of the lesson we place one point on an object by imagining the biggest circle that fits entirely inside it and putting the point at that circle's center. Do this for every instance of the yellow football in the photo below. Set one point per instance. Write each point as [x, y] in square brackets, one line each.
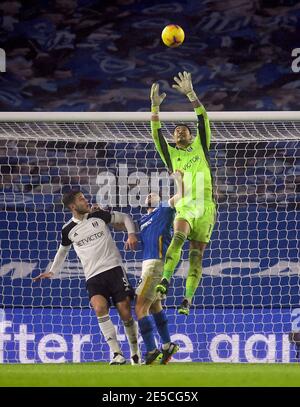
[172, 35]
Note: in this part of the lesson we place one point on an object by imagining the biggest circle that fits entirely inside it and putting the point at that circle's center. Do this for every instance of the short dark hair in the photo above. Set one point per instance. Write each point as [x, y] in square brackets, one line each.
[184, 125]
[69, 197]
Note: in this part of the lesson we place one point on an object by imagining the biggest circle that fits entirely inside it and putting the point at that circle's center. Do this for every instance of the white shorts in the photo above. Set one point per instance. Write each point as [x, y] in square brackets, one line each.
[152, 271]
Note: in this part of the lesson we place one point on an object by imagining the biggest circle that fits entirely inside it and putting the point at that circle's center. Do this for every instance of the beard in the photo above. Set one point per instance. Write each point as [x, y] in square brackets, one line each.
[83, 211]
[184, 142]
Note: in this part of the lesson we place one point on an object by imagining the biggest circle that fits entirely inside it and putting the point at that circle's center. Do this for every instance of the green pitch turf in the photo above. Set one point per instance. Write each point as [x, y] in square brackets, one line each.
[174, 374]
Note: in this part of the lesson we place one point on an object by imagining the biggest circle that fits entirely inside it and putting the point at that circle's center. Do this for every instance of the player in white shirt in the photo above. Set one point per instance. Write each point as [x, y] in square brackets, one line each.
[102, 264]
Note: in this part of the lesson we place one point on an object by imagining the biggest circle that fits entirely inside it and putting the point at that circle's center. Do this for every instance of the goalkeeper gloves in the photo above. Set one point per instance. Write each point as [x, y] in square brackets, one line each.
[156, 98]
[185, 86]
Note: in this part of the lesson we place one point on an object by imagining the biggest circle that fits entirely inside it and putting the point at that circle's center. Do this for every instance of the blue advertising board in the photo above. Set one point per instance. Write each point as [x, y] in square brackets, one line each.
[60, 335]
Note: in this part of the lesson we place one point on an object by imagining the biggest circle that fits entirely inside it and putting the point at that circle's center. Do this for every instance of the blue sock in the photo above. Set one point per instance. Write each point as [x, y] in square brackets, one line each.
[161, 323]
[146, 329]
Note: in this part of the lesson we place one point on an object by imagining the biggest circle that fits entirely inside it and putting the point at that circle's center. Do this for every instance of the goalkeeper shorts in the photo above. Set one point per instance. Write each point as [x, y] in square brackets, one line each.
[152, 271]
[201, 226]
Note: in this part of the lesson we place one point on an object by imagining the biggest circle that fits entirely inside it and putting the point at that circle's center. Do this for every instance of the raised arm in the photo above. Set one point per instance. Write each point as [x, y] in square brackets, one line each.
[118, 218]
[123, 218]
[160, 142]
[184, 85]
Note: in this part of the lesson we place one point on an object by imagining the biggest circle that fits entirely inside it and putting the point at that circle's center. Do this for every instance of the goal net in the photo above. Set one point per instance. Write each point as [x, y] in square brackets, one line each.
[248, 299]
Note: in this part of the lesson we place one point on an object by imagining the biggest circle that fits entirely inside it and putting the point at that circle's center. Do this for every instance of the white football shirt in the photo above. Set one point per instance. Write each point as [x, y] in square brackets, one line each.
[93, 243]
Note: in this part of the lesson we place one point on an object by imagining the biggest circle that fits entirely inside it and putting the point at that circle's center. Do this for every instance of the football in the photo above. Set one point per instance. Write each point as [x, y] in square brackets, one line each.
[172, 35]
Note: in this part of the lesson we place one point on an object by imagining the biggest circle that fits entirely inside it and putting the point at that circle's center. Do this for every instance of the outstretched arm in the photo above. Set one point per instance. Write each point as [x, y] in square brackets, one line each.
[160, 142]
[58, 261]
[184, 85]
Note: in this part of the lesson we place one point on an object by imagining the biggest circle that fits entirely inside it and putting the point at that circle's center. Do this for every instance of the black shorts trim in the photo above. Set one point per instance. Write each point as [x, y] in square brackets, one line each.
[112, 284]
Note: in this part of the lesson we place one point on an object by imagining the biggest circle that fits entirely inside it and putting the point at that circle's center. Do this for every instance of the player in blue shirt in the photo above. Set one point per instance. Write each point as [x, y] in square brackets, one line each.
[155, 233]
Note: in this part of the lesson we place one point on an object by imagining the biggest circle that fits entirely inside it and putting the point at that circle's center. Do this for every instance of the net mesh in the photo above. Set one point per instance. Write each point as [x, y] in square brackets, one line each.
[247, 301]
[140, 131]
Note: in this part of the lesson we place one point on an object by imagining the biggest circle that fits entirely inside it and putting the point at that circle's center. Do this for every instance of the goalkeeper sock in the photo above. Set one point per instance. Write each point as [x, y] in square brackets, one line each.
[131, 330]
[161, 322]
[109, 332]
[146, 329]
[173, 254]
[194, 273]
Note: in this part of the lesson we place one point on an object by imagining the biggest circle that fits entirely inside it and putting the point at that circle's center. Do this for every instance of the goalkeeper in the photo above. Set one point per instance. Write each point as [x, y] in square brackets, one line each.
[195, 208]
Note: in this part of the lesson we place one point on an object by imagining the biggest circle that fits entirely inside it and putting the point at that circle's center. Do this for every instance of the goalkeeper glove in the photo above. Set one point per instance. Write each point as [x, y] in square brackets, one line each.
[156, 98]
[184, 85]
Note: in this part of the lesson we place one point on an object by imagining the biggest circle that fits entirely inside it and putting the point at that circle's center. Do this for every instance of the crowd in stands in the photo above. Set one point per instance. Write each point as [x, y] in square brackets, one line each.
[244, 172]
[100, 55]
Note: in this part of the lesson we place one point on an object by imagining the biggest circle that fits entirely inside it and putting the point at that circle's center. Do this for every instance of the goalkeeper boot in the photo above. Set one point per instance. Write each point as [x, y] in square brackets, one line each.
[162, 287]
[168, 353]
[184, 307]
[151, 357]
[118, 359]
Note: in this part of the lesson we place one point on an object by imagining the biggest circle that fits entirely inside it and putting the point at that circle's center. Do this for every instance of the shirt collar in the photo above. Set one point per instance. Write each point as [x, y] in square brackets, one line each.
[85, 216]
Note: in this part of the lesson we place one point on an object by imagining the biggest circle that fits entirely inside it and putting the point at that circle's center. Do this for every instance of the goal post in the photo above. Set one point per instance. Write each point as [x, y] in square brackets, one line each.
[248, 299]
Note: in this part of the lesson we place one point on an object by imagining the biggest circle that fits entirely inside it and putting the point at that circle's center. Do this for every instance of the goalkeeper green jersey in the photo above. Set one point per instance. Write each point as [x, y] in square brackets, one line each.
[193, 161]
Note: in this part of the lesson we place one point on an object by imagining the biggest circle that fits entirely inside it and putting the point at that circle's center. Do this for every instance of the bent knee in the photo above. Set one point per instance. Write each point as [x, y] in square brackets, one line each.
[124, 310]
[100, 310]
[142, 307]
[156, 307]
